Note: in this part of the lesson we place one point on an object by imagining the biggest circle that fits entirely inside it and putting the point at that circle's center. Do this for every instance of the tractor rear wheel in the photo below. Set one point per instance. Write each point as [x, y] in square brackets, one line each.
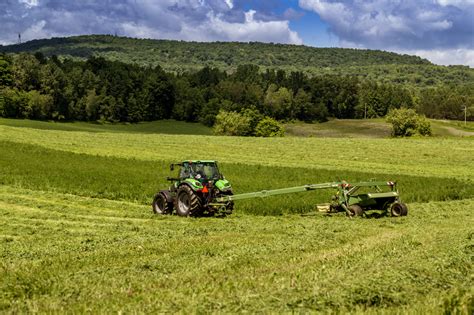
[399, 209]
[161, 205]
[187, 202]
[356, 210]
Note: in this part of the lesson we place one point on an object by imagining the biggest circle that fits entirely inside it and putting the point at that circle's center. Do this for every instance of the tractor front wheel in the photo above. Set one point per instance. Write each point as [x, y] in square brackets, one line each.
[187, 202]
[161, 205]
[356, 210]
[399, 209]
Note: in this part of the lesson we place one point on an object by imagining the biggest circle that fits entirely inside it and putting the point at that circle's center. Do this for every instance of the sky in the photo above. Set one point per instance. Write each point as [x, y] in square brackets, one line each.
[441, 31]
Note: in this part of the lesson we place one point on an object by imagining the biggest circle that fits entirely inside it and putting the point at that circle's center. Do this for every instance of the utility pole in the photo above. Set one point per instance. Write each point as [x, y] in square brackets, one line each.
[19, 38]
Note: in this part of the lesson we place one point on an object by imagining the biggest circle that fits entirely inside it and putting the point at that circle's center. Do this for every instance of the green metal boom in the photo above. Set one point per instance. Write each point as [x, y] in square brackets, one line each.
[274, 192]
[290, 190]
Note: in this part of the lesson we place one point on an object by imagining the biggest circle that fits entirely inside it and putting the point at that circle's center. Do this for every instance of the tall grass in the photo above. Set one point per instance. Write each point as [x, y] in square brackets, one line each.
[424, 157]
[34, 167]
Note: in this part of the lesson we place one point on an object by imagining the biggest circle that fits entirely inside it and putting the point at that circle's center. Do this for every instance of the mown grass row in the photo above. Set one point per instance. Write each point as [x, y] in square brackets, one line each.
[34, 167]
[162, 126]
[423, 157]
[64, 253]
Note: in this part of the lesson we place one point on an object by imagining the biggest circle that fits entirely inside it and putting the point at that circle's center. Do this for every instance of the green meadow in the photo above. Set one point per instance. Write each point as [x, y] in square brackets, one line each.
[78, 235]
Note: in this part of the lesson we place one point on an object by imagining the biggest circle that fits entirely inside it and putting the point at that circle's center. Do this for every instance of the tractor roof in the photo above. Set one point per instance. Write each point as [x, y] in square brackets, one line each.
[199, 161]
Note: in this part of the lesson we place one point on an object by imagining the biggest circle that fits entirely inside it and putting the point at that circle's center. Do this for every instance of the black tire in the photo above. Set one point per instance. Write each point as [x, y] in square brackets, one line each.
[161, 205]
[399, 209]
[356, 211]
[187, 203]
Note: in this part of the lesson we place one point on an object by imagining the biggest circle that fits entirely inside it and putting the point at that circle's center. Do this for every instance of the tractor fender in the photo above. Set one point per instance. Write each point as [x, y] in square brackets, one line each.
[223, 185]
[167, 195]
[191, 185]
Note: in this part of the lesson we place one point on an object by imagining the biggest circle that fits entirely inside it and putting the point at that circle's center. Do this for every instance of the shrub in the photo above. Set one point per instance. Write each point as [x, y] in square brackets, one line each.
[232, 124]
[247, 123]
[254, 116]
[424, 126]
[406, 122]
[269, 127]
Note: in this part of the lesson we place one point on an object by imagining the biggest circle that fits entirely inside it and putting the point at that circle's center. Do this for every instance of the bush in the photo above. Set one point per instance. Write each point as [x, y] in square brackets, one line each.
[232, 124]
[255, 117]
[424, 126]
[269, 127]
[247, 123]
[406, 122]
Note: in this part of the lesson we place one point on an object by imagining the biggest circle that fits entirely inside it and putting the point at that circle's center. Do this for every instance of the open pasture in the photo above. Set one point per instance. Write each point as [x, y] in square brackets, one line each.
[77, 233]
[162, 126]
[62, 252]
[445, 157]
[372, 128]
[35, 167]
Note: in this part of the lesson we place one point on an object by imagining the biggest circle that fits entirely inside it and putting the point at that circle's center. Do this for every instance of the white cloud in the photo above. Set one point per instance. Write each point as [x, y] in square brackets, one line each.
[215, 28]
[446, 57]
[36, 30]
[230, 4]
[29, 3]
[441, 31]
[198, 20]
[456, 3]
[401, 24]
[252, 30]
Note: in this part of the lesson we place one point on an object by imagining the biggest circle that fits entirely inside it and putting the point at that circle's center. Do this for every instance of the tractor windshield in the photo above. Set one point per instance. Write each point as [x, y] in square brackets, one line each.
[201, 170]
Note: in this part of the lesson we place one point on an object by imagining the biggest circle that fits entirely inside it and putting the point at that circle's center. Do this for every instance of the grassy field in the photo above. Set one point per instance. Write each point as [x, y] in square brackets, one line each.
[78, 234]
[446, 157]
[372, 128]
[337, 128]
[33, 167]
[453, 128]
[162, 126]
[67, 253]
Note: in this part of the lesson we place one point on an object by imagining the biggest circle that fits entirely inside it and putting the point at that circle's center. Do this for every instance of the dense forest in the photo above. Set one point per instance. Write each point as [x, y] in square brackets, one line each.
[38, 87]
[181, 57]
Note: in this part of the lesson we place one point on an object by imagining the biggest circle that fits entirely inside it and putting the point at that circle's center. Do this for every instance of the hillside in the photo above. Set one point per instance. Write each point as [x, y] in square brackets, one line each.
[220, 54]
[179, 56]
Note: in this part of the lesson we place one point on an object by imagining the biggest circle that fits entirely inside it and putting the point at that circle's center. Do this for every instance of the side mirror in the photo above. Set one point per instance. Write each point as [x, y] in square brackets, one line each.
[172, 167]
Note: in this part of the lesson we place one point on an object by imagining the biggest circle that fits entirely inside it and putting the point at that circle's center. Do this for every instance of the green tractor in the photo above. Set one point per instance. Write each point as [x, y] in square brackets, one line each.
[200, 189]
[194, 191]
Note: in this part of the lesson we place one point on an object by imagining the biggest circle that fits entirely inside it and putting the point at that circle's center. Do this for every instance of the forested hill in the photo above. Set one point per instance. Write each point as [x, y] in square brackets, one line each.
[109, 78]
[180, 54]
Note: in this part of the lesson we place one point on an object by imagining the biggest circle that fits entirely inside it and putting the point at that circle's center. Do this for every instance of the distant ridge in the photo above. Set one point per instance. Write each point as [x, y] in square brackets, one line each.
[171, 53]
[181, 56]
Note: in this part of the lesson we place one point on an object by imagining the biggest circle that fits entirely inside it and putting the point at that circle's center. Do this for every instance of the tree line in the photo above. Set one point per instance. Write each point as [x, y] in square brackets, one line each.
[180, 56]
[36, 87]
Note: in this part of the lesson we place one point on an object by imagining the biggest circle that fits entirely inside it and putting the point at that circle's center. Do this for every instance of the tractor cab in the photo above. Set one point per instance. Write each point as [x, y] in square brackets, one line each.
[198, 170]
